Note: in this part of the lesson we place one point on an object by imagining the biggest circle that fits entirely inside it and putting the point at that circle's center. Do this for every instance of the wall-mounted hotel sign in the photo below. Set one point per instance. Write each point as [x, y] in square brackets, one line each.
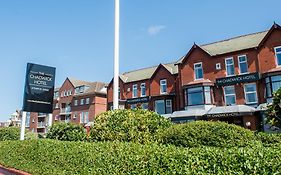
[138, 100]
[246, 78]
[221, 115]
[39, 88]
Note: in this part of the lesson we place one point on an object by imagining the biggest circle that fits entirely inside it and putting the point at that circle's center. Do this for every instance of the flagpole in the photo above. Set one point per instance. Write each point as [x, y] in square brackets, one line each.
[116, 57]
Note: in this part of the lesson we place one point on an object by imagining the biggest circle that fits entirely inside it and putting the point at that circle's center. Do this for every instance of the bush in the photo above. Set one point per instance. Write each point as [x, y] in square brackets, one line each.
[58, 157]
[128, 125]
[66, 132]
[31, 136]
[269, 139]
[9, 133]
[206, 133]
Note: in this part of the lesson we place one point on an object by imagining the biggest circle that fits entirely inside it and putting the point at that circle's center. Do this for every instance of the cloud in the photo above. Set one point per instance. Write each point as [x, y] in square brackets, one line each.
[155, 29]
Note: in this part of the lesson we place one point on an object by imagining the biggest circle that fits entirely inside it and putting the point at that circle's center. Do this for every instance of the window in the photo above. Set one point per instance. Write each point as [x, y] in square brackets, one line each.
[243, 65]
[81, 89]
[160, 106]
[163, 106]
[250, 93]
[229, 95]
[61, 94]
[64, 93]
[86, 117]
[278, 55]
[198, 95]
[57, 106]
[143, 94]
[82, 117]
[169, 109]
[70, 92]
[82, 101]
[118, 92]
[76, 90]
[75, 102]
[87, 101]
[229, 65]
[56, 94]
[135, 90]
[133, 106]
[198, 70]
[144, 105]
[27, 121]
[163, 86]
[273, 83]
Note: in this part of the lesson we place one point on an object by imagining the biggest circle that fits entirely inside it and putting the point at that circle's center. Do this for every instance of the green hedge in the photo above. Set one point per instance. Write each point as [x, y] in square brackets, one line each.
[9, 133]
[67, 132]
[269, 139]
[59, 157]
[128, 125]
[205, 133]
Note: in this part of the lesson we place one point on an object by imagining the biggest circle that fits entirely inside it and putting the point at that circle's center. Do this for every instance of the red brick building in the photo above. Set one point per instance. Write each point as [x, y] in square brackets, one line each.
[229, 80]
[75, 101]
[154, 88]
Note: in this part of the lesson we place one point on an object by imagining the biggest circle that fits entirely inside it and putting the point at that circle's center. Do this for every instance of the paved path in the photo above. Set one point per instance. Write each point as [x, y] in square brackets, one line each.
[4, 172]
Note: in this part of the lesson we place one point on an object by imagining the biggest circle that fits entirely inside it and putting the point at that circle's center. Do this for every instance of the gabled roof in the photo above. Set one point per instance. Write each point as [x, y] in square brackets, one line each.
[146, 73]
[234, 44]
[94, 87]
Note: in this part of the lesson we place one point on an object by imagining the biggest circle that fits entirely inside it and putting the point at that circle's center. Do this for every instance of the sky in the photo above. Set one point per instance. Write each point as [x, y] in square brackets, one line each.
[76, 36]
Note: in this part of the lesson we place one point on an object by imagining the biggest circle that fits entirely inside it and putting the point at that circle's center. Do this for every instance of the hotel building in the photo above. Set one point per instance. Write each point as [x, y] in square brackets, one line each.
[230, 80]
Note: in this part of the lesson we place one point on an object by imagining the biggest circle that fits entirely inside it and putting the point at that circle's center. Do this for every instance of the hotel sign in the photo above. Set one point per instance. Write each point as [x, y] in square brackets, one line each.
[39, 88]
[226, 81]
[138, 100]
[219, 115]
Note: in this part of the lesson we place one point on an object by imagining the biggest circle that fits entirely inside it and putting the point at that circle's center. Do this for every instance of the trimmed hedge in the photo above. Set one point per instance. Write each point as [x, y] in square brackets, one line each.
[206, 133]
[269, 139]
[59, 157]
[67, 132]
[128, 125]
[9, 133]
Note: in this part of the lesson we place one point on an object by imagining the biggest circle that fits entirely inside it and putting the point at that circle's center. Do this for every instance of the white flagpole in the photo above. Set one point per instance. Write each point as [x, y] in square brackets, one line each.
[116, 57]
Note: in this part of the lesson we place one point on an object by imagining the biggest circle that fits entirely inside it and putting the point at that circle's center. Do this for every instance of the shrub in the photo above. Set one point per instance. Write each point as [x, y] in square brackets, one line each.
[57, 157]
[128, 125]
[269, 139]
[31, 136]
[206, 133]
[9, 133]
[66, 132]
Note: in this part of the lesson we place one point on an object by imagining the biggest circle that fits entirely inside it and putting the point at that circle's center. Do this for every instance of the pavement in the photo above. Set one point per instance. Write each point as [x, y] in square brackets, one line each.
[4, 172]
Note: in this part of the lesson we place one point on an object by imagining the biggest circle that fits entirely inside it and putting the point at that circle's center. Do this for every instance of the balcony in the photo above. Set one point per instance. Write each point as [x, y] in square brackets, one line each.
[65, 111]
[41, 125]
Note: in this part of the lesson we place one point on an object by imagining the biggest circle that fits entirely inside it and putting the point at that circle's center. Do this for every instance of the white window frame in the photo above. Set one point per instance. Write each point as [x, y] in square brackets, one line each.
[161, 83]
[245, 94]
[82, 117]
[87, 100]
[195, 64]
[166, 106]
[225, 62]
[229, 94]
[135, 88]
[242, 62]
[142, 86]
[75, 102]
[276, 59]
[82, 102]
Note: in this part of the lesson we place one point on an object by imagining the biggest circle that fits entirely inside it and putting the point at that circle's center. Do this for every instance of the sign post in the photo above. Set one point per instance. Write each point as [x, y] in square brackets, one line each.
[38, 91]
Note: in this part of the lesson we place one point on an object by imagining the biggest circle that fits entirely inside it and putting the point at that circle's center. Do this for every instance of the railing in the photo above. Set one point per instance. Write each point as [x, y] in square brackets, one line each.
[65, 110]
[41, 125]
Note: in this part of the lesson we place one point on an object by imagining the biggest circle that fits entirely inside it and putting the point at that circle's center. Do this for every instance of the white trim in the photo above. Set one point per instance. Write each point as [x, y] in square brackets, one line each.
[276, 59]
[141, 87]
[242, 62]
[134, 87]
[229, 94]
[198, 63]
[163, 80]
[230, 58]
[245, 93]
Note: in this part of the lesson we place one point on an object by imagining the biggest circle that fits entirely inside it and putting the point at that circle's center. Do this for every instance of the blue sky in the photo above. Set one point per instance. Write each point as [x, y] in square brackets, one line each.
[76, 36]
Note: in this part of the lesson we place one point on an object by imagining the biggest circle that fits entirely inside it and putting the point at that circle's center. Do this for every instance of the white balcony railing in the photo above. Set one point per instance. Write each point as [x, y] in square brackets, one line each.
[41, 125]
[66, 110]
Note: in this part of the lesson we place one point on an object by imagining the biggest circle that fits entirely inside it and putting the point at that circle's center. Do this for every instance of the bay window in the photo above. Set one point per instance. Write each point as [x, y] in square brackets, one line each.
[273, 83]
[198, 95]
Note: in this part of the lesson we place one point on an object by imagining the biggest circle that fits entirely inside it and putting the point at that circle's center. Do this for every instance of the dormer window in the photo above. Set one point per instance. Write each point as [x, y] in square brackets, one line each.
[278, 55]
[77, 90]
[198, 71]
[81, 89]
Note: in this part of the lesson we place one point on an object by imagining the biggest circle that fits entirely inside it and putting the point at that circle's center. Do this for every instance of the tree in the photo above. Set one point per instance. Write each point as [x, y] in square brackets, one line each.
[273, 112]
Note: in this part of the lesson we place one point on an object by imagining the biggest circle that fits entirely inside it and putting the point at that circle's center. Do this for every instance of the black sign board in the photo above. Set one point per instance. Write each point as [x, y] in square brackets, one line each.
[138, 100]
[221, 115]
[39, 88]
[226, 81]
